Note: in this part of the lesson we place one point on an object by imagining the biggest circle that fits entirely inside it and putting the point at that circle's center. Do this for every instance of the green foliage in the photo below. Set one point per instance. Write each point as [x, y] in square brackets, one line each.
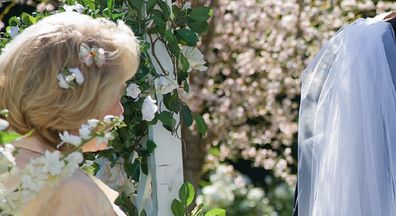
[186, 196]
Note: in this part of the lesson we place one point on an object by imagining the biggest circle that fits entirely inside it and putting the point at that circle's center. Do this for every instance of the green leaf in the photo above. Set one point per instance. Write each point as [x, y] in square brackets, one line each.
[143, 213]
[144, 165]
[110, 5]
[172, 102]
[187, 193]
[14, 21]
[136, 4]
[187, 37]
[186, 115]
[216, 212]
[8, 137]
[201, 14]
[198, 27]
[185, 65]
[177, 208]
[150, 146]
[167, 119]
[201, 125]
[150, 5]
[133, 170]
[27, 19]
[164, 8]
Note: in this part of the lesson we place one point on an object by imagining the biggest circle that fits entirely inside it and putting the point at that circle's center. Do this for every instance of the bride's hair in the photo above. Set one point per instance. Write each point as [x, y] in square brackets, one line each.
[31, 62]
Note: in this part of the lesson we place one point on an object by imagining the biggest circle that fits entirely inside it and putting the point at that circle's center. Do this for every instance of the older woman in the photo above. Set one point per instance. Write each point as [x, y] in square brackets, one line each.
[54, 76]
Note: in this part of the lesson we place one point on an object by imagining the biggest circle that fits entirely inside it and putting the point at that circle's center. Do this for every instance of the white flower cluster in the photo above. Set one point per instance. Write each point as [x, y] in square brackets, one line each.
[149, 107]
[47, 170]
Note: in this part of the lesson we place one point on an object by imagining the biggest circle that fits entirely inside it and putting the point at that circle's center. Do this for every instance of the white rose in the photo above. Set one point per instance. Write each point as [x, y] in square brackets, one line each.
[149, 109]
[164, 85]
[133, 90]
[194, 57]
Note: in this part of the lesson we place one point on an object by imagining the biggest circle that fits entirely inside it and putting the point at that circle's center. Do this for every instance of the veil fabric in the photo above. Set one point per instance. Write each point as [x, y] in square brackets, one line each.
[347, 125]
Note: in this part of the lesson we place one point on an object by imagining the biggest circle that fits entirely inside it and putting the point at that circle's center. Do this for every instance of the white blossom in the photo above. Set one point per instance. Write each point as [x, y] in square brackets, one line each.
[3, 124]
[85, 131]
[108, 119]
[14, 30]
[89, 55]
[77, 74]
[93, 123]
[76, 7]
[133, 90]
[165, 85]
[7, 160]
[52, 163]
[71, 139]
[62, 81]
[195, 58]
[149, 108]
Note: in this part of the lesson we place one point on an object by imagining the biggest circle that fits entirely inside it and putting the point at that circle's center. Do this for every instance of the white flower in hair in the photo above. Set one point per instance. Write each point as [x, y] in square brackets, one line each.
[70, 77]
[89, 55]
[3, 124]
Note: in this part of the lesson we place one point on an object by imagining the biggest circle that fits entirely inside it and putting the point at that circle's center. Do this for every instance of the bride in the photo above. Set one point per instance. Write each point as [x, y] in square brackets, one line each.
[347, 124]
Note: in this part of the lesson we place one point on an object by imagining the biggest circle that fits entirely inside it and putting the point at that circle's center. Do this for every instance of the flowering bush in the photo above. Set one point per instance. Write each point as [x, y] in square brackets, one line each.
[250, 94]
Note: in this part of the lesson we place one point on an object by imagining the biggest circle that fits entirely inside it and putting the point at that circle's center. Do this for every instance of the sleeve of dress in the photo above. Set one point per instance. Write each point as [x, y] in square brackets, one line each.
[78, 198]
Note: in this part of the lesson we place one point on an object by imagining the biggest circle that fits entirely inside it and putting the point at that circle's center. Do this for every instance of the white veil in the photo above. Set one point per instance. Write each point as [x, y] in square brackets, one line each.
[347, 125]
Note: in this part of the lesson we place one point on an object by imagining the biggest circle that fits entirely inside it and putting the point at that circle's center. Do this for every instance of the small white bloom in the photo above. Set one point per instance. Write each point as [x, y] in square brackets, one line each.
[62, 81]
[14, 30]
[71, 139]
[77, 75]
[7, 159]
[93, 123]
[133, 90]
[52, 163]
[149, 108]
[76, 7]
[194, 57]
[187, 5]
[108, 119]
[89, 55]
[85, 132]
[99, 57]
[75, 157]
[3, 124]
[164, 85]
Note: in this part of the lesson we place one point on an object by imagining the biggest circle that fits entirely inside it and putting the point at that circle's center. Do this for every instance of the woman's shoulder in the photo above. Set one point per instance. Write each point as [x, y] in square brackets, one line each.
[79, 194]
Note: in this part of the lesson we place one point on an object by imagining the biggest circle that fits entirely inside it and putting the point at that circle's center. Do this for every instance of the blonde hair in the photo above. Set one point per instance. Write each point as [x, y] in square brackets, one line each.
[30, 63]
